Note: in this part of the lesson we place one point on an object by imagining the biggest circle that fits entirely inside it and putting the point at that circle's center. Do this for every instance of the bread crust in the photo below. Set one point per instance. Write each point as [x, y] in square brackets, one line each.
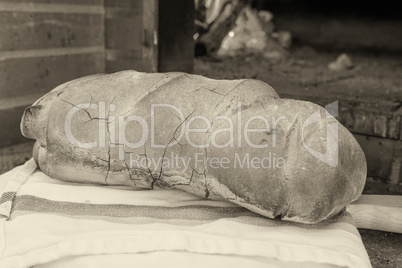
[304, 189]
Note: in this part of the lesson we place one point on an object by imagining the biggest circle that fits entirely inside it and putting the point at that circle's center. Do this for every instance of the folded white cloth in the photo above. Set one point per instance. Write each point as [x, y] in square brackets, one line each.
[47, 222]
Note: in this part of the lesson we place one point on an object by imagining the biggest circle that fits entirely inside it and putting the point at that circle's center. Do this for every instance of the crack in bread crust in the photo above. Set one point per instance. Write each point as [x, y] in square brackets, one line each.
[305, 191]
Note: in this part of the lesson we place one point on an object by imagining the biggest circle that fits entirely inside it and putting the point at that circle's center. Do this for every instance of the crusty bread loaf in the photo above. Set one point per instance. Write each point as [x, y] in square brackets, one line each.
[230, 139]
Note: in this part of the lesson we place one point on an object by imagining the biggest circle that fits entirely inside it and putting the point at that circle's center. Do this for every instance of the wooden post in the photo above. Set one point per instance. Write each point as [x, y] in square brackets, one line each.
[149, 35]
[131, 35]
[176, 30]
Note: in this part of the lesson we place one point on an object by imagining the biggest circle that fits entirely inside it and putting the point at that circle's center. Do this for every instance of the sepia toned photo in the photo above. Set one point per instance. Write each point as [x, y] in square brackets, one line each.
[200, 133]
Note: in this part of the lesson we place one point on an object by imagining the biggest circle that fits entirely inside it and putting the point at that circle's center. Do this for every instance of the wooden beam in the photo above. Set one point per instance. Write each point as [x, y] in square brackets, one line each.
[376, 118]
[38, 53]
[378, 212]
[10, 126]
[15, 155]
[18, 101]
[50, 8]
[32, 75]
[383, 157]
[32, 31]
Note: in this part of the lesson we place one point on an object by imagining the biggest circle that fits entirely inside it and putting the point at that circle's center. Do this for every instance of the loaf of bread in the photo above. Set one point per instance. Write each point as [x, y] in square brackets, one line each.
[219, 139]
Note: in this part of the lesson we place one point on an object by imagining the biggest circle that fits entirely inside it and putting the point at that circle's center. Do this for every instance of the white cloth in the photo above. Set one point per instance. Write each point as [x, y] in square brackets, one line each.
[51, 223]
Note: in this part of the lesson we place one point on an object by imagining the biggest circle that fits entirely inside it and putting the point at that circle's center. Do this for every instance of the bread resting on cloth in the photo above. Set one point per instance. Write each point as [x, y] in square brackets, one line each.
[220, 139]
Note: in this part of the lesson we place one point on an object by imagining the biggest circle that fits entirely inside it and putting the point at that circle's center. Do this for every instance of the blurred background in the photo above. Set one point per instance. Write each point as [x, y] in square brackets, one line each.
[320, 51]
[345, 51]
